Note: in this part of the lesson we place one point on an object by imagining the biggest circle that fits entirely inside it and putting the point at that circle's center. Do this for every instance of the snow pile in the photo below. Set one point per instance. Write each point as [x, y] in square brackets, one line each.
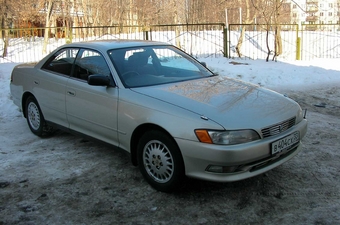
[293, 75]
[8, 110]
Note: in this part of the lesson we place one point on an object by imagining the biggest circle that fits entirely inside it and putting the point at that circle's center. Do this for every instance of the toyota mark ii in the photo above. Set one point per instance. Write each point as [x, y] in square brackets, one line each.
[173, 115]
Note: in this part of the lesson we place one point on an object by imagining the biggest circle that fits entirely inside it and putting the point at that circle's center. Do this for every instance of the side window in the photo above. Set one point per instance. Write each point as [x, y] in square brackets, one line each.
[62, 61]
[90, 62]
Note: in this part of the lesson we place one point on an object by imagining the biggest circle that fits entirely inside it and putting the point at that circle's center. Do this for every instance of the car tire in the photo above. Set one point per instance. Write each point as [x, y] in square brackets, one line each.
[160, 161]
[35, 118]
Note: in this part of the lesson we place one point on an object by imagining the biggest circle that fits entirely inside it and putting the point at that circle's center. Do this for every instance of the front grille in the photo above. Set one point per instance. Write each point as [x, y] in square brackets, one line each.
[278, 128]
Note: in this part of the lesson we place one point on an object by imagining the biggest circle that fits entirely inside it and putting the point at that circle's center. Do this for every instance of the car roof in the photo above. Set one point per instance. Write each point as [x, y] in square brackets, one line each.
[114, 44]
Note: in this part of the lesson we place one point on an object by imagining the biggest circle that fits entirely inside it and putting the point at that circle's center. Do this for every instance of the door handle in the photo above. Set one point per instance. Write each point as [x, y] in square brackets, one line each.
[71, 93]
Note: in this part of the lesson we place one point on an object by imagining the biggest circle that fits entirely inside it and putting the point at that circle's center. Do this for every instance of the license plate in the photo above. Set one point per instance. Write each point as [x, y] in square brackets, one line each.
[285, 143]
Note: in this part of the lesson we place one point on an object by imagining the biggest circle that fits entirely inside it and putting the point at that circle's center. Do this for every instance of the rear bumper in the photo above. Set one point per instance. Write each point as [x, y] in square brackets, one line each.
[251, 159]
[16, 93]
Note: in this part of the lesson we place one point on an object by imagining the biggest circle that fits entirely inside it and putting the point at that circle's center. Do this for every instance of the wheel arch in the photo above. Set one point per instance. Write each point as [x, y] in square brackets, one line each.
[137, 134]
[25, 96]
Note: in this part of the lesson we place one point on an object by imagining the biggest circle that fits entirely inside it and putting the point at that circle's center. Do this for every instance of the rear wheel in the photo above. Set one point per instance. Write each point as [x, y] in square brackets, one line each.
[160, 161]
[35, 118]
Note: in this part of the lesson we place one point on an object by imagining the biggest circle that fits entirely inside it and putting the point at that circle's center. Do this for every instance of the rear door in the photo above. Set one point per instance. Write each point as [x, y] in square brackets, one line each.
[50, 85]
[92, 110]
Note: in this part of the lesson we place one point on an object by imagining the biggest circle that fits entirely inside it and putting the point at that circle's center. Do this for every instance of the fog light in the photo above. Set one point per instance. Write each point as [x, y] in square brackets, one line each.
[221, 169]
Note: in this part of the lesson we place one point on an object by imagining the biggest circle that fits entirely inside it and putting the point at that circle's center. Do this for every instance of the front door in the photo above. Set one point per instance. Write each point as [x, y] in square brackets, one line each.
[92, 110]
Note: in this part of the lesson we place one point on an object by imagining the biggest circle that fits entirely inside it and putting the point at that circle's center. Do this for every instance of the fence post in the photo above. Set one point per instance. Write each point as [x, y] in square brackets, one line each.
[298, 48]
[298, 43]
[225, 42]
[146, 33]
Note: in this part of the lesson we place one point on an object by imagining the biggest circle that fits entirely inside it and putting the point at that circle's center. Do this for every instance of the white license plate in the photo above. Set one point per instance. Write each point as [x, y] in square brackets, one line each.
[285, 143]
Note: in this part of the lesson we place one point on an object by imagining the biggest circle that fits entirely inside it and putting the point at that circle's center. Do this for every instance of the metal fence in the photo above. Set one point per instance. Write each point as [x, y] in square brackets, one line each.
[303, 42]
[259, 41]
[200, 40]
[320, 41]
[26, 45]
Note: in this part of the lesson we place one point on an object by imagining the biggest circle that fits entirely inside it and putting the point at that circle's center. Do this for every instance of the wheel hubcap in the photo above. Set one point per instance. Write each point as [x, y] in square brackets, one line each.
[158, 161]
[33, 115]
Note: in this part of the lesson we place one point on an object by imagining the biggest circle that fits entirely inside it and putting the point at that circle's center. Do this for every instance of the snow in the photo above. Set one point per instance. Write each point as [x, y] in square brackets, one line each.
[291, 75]
[8, 109]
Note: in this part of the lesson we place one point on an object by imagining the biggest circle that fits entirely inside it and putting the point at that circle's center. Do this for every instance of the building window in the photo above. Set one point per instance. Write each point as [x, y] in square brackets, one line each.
[330, 5]
[294, 6]
[321, 14]
[330, 14]
[321, 5]
[294, 14]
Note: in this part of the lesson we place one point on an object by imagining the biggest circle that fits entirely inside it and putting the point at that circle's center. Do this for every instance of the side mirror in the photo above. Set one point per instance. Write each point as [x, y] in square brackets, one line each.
[204, 64]
[98, 80]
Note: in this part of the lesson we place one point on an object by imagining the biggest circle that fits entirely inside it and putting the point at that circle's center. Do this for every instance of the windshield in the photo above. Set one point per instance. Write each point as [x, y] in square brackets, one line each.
[154, 65]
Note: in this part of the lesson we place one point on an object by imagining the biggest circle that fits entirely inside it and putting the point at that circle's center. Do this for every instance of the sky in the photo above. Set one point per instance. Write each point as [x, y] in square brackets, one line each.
[279, 76]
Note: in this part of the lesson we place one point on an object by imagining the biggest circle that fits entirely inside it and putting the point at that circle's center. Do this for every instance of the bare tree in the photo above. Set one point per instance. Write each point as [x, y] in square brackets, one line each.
[3, 26]
[277, 28]
[270, 12]
[249, 18]
[5, 10]
[49, 10]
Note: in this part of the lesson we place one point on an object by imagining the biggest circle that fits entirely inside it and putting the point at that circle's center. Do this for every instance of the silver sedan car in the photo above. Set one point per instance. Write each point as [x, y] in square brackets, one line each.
[174, 116]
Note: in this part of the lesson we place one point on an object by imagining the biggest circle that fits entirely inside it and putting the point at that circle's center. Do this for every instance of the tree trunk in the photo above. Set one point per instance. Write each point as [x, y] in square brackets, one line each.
[6, 42]
[267, 42]
[240, 42]
[177, 29]
[278, 39]
[4, 32]
[248, 19]
[47, 24]
[278, 42]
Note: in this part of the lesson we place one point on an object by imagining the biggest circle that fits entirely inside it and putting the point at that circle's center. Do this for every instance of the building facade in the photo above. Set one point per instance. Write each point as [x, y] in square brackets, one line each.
[315, 11]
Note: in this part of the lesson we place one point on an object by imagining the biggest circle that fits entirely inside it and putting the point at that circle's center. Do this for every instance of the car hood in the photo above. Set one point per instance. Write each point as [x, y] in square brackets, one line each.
[231, 103]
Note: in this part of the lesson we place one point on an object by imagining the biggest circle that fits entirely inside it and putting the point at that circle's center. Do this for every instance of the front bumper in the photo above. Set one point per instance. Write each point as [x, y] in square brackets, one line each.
[252, 158]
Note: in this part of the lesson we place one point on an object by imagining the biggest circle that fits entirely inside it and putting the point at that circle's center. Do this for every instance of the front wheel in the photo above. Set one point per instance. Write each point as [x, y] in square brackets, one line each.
[160, 161]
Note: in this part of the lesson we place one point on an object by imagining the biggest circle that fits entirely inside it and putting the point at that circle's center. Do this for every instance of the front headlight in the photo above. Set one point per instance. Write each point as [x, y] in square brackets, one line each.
[301, 115]
[233, 137]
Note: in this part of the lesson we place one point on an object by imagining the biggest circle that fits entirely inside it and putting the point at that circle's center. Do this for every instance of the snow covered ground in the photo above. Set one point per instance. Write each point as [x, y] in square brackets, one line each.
[67, 180]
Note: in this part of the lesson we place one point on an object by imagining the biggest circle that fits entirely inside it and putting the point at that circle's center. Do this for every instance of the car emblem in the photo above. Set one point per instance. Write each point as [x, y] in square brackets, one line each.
[280, 128]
